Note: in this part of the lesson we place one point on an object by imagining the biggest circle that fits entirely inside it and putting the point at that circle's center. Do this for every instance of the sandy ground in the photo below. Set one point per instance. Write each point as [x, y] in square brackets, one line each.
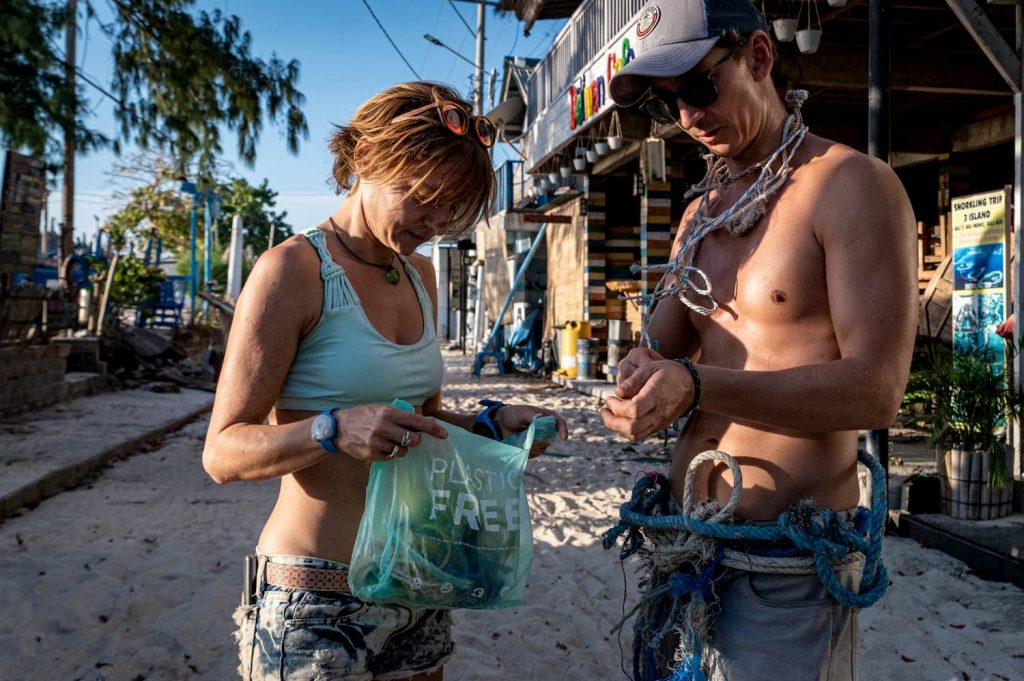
[135, 575]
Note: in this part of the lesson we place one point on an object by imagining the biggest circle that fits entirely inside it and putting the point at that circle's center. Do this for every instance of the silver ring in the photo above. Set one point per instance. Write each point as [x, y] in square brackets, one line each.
[406, 439]
[393, 452]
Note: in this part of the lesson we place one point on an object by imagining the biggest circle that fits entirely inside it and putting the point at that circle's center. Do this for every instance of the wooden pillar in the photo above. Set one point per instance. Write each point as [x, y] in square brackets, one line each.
[879, 146]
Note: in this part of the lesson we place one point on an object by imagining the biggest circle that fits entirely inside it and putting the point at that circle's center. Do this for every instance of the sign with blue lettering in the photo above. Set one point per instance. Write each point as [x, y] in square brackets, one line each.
[980, 238]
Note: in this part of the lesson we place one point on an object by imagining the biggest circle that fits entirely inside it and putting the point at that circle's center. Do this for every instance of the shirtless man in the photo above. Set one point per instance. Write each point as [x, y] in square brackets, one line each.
[813, 331]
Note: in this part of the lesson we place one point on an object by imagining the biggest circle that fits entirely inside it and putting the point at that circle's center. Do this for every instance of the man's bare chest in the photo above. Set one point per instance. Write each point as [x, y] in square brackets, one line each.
[776, 271]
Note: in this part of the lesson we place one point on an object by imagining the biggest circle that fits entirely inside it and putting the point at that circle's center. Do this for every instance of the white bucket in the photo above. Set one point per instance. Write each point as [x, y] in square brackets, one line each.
[808, 40]
[785, 29]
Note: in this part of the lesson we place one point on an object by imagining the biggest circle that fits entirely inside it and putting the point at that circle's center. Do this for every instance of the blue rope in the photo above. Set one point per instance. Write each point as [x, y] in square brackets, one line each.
[823, 534]
[804, 530]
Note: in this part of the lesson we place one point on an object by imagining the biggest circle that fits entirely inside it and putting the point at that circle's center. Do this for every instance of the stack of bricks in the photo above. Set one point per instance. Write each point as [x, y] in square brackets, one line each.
[24, 189]
[622, 250]
[595, 267]
[655, 230]
[32, 376]
[595, 271]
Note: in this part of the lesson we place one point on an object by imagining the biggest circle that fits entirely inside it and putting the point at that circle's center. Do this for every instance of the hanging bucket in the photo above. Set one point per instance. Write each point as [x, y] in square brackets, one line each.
[785, 29]
[808, 40]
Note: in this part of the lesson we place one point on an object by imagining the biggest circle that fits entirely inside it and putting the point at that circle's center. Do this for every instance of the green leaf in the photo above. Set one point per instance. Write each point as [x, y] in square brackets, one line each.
[179, 80]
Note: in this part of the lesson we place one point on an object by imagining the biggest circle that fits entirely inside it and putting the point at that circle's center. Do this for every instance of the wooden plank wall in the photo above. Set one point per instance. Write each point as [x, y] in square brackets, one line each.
[567, 262]
[492, 246]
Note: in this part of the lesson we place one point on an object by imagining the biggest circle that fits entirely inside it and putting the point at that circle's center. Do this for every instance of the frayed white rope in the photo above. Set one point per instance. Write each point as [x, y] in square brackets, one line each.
[738, 219]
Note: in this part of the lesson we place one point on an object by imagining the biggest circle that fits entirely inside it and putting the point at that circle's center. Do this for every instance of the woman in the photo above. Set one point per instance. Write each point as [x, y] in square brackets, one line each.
[333, 325]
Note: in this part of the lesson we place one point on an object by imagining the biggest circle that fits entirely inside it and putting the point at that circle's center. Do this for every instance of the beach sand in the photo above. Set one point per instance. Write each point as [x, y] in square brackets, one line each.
[135, 575]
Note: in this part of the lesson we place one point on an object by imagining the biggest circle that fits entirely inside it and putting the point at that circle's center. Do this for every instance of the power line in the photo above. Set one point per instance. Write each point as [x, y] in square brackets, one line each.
[462, 19]
[384, 31]
[515, 42]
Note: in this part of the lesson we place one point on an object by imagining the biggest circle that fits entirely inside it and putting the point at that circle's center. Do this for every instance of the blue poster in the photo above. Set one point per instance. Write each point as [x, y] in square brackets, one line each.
[980, 235]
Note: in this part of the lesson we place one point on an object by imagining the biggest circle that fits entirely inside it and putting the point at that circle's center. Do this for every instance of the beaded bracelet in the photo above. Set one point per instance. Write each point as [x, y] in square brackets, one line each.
[695, 405]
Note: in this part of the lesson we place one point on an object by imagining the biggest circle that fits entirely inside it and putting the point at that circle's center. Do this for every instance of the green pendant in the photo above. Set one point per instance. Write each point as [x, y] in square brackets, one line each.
[391, 274]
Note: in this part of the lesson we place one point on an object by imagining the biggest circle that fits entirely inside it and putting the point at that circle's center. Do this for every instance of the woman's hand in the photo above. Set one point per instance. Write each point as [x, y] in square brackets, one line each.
[513, 418]
[380, 432]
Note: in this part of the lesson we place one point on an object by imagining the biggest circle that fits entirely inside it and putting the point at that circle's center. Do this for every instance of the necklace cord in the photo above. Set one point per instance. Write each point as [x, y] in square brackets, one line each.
[391, 273]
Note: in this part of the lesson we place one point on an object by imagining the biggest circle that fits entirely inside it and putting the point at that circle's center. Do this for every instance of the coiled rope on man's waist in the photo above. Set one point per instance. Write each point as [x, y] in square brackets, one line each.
[691, 548]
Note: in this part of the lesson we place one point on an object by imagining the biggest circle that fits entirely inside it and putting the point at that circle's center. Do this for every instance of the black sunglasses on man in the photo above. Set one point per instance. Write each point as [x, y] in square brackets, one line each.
[694, 89]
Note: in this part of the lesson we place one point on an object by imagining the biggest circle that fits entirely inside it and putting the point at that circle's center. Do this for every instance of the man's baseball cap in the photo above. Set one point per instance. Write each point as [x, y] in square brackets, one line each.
[672, 36]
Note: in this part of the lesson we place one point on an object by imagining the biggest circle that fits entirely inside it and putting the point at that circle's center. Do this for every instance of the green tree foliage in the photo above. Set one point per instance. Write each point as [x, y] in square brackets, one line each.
[36, 99]
[135, 285]
[154, 207]
[255, 205]
[179, 79]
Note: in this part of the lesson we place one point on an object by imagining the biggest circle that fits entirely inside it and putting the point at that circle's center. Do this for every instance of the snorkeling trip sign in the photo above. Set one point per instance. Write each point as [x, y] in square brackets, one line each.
[980, 238]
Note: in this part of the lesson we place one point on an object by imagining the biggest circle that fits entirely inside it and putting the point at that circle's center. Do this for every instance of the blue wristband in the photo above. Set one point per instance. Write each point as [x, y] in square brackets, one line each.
[484, 423]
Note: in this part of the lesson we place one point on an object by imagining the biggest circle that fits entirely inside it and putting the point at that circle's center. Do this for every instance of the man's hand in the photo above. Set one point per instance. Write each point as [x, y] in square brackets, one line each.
[636, 358]
[654, 394]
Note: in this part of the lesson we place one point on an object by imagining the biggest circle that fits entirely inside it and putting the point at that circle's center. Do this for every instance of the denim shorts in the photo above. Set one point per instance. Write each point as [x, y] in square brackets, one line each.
[328, 635]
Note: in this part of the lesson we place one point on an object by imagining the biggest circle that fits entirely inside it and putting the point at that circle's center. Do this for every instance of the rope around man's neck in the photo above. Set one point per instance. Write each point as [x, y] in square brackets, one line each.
[738, 219]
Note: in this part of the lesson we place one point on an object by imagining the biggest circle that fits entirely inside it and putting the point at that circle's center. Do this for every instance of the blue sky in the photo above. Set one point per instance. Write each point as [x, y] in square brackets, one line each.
[344, 59]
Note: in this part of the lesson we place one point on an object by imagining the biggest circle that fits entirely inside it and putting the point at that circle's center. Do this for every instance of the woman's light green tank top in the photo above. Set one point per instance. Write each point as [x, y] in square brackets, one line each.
[344, 362]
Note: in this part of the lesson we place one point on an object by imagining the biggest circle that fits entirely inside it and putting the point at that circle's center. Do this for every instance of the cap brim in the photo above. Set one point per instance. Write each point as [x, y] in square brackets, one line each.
[630, 84]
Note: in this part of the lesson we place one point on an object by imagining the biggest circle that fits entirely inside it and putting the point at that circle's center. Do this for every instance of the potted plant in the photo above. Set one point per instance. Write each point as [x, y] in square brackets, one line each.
[967, 402]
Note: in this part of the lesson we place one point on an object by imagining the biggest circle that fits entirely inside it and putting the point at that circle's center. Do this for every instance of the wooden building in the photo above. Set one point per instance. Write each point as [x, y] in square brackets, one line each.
[950, 95]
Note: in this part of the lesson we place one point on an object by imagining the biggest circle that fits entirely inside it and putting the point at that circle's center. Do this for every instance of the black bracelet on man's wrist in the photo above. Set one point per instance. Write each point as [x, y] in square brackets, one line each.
[695, 405]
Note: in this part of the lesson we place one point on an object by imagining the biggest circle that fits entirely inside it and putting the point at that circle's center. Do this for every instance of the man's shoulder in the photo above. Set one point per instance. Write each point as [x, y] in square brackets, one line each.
[839, 175]
[828, 157]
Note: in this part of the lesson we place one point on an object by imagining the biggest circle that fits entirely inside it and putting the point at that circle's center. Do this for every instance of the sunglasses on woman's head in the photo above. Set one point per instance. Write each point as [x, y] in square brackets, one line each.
[694, 89]
[458, 121]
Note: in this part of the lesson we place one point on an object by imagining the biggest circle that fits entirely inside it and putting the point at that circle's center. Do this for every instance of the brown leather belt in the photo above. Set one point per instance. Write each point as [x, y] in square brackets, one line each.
[306, 578]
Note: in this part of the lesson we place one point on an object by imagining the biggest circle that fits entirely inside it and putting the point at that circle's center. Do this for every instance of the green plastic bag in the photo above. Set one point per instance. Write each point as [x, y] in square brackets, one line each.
[448, 525]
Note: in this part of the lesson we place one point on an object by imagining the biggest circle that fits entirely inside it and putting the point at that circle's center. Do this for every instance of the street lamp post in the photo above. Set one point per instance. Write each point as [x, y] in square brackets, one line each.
[478, 65]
